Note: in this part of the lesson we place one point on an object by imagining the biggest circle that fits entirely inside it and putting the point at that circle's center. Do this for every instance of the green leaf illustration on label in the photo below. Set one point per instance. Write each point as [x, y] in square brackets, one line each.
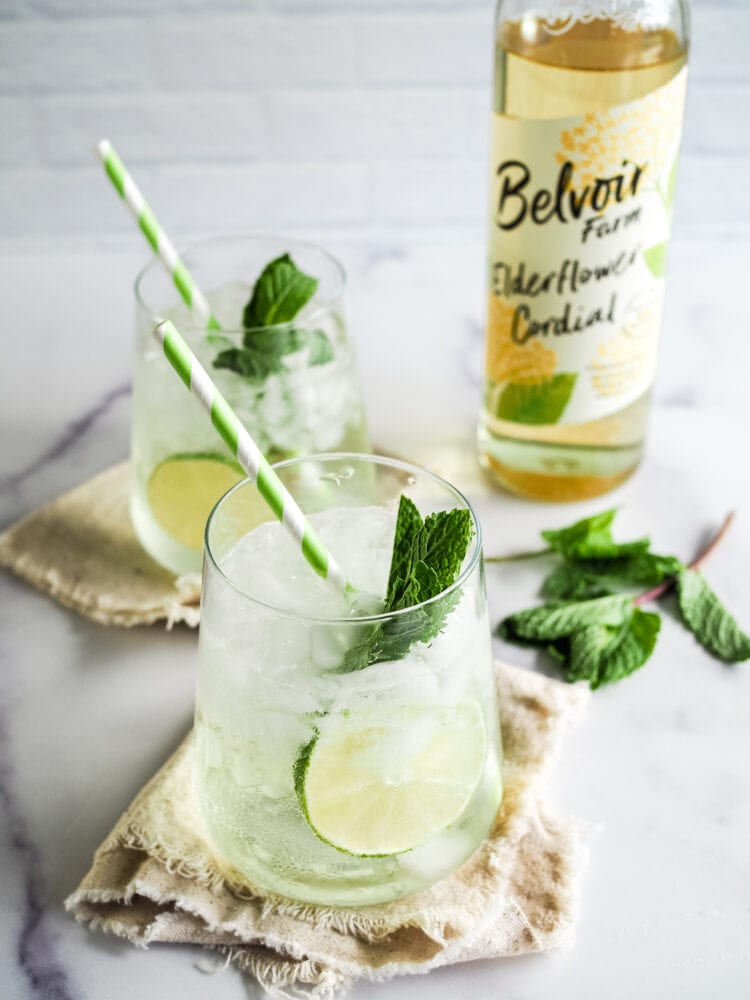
[668, 191]
[656, 258]
[537, 404]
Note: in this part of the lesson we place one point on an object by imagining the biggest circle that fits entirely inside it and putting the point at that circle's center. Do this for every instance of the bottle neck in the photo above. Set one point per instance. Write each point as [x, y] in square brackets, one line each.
[561, 16]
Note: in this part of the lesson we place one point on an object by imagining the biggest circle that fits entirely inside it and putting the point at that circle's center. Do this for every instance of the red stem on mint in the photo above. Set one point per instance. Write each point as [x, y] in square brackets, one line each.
[662, 588]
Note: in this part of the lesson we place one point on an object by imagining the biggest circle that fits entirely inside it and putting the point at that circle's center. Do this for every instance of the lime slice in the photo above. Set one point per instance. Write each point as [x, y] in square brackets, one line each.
[183, 489]
[371, 787]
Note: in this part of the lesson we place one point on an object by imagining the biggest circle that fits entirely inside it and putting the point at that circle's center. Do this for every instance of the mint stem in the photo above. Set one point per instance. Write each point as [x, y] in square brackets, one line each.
[521, 555]
[662, 588]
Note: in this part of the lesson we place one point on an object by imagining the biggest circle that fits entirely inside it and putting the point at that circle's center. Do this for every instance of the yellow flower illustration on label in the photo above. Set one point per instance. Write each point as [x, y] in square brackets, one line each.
[529, 364]
[645, 132]
[532, 393]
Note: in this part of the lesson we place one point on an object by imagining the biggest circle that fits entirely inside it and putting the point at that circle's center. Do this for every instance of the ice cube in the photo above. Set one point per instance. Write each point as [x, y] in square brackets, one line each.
[439, 855]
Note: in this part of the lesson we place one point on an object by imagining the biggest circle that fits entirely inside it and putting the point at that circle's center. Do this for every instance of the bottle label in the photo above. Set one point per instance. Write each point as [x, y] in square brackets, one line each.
[580, 211]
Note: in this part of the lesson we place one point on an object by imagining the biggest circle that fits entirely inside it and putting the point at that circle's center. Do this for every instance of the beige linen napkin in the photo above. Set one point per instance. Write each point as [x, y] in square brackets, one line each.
[155, 878]
[81, 549]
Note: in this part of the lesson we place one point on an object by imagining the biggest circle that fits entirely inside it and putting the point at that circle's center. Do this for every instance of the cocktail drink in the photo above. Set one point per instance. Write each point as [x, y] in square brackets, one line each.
[345, 755]
[282, 358]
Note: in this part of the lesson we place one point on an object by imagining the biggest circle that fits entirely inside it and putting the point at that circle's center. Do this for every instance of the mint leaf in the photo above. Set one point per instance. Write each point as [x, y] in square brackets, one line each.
[427, 555]
[634, 569]
[603, 654]
[264, 349]
[708, 619]
[279, 294]
[585, 650]
[600, 640]
[537, 404]
[426, 560]
[555, 621]
[320, 349]
[582, 579]
[405, 553]
[573, 582]
[587, 537]
[591, 538]
[595, 564]
[254, 365]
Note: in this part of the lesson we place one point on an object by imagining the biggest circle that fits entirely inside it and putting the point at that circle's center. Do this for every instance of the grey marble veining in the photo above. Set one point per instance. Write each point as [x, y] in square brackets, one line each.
[33, 947]
[67, 440]
[657, 772]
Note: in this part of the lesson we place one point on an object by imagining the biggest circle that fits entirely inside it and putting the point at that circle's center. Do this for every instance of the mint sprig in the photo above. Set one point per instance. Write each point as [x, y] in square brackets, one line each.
[426, 560]
[593, 626]
[278, 295]
[600, 640]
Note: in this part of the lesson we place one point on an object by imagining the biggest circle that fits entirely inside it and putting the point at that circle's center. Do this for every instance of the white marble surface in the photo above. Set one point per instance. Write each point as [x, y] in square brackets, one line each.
[659, 770]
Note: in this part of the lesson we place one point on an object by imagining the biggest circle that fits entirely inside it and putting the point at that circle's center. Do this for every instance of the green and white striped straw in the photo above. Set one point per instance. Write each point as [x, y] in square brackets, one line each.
[247, 453]
[160, 243]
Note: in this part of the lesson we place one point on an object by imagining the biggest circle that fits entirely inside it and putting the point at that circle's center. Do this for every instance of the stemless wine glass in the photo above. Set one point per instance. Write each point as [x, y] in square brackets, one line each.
[307, 403]
[320, 777]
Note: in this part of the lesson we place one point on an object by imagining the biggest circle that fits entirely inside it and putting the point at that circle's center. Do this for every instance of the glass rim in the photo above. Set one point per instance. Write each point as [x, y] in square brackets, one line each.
[207, 241]
[397, 463]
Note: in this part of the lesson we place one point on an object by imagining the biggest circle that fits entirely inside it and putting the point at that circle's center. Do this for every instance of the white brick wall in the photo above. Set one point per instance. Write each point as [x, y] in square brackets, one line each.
[425, 49]
[298, 114]
[192, 127]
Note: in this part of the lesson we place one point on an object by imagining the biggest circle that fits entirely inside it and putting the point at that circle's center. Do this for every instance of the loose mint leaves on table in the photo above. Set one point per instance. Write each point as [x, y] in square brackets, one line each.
[427, 559]
[279, 294]
[593, 624]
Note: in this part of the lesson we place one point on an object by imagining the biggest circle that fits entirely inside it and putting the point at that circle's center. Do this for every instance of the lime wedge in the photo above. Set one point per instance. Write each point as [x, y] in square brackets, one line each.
[376, 787]
[183, 489]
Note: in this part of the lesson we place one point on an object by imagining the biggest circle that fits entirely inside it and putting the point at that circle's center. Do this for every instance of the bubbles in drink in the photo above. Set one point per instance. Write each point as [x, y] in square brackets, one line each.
[273, 703]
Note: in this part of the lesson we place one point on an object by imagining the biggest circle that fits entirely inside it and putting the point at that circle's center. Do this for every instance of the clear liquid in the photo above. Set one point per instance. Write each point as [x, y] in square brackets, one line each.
[544, 72]
[267, 683]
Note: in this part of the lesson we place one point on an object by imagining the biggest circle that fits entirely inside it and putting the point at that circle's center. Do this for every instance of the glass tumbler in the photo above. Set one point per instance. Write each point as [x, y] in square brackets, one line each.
[319, 778]
[309, 402]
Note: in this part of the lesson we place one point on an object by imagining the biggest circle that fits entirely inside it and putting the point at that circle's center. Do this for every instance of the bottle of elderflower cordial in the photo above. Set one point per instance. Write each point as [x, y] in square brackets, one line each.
[585, 137]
